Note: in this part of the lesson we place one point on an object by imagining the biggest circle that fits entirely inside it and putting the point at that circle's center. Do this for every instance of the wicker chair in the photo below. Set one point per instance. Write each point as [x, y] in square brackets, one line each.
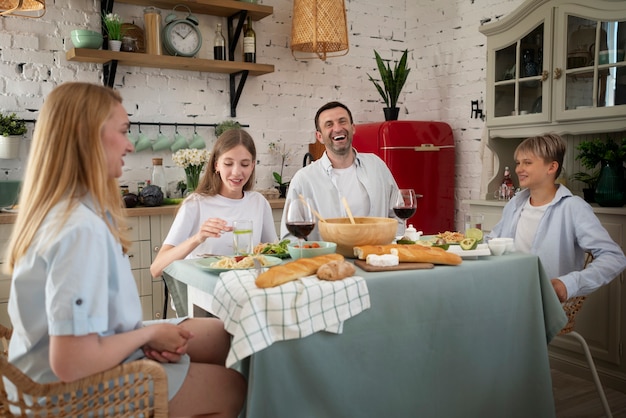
[5, 336]
[134, 389]
[572, 306]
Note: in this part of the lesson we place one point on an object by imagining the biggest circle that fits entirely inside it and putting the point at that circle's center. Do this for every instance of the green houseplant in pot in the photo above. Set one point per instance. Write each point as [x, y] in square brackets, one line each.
[222, 127]
[393, 81]
[12, 130]
[284, 158]
[610, 155]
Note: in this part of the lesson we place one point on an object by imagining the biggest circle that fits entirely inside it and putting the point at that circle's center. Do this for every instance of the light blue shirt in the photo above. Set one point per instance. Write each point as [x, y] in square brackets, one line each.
[316, 181]
[72, 281]
[567, 230]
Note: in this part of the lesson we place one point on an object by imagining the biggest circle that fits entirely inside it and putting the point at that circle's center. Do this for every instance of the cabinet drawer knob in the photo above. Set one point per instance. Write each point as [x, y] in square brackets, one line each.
[544, 75]
[557, 73]
[156, 249]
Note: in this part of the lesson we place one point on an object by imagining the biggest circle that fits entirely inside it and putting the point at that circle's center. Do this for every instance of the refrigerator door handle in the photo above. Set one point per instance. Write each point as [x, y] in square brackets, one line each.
[423, 147]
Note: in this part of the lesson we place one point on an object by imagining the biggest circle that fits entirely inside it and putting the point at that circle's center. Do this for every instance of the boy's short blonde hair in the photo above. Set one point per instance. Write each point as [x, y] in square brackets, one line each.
[549, 147]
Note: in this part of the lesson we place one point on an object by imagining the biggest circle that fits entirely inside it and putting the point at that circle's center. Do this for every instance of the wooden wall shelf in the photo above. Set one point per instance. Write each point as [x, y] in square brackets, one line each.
[223, 8]
[98, 56]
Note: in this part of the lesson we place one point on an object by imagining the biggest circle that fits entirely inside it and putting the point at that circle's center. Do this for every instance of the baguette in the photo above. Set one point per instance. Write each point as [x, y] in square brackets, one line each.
[411, 253]
[335, 270]
[294, 270]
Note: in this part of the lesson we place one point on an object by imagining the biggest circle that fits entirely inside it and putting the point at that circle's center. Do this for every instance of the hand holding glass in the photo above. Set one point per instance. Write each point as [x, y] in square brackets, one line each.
[299, 218]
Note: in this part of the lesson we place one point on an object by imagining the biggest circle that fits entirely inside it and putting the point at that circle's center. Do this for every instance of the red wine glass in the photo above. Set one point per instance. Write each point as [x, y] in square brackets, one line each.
[404, 203]
[299, 218]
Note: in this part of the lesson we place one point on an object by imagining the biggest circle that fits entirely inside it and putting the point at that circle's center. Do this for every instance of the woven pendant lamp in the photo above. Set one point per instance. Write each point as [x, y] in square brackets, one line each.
[319, 29]
[23, 8]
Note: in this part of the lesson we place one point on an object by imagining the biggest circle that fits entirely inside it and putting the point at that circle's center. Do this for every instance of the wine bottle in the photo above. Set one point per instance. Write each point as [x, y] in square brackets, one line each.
[219, 45]
[249, 43]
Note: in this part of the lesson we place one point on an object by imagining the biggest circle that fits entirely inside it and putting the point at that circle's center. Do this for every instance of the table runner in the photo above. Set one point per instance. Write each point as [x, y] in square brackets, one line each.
[259, 317]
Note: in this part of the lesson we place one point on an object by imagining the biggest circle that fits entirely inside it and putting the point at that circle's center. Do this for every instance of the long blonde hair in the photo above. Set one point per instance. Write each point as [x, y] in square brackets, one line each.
[66, 162]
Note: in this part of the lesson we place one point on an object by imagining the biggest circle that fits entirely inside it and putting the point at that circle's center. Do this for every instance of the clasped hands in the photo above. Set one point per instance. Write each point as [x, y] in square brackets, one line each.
[169, 343]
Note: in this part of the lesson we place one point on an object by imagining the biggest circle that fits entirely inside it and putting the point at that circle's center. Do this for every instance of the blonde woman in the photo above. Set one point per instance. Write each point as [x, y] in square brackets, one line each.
[74, 304]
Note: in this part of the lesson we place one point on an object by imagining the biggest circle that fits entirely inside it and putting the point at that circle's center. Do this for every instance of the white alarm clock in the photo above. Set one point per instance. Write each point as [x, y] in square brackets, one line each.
[182, 37]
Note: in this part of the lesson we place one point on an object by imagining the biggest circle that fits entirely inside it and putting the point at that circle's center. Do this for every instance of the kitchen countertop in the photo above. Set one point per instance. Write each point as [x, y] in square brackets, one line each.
[9, 218]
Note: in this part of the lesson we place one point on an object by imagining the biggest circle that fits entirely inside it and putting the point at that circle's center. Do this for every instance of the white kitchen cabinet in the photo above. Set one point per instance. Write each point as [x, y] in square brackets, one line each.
[5, 279]
[557, 65]
[601, 321]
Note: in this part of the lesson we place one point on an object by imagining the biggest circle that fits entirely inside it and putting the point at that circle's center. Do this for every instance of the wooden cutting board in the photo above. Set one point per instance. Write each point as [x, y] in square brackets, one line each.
[402, 266]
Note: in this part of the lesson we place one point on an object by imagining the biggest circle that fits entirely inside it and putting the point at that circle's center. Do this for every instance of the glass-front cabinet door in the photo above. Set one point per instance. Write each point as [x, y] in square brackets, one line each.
[520, 82]
[590, 70]
[519, 76]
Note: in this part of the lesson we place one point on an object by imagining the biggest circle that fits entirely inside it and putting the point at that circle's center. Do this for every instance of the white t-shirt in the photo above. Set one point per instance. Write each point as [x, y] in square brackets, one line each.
[198, 208]
[527, 226]
[353, 190]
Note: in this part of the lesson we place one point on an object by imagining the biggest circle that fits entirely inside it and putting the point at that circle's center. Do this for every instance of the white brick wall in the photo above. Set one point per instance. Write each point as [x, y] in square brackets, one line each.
[447, 61]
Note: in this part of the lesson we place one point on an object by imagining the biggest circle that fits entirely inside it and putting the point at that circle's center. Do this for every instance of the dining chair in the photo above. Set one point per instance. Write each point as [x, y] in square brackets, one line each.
[572, 306]
[5, 336]
[138, 388]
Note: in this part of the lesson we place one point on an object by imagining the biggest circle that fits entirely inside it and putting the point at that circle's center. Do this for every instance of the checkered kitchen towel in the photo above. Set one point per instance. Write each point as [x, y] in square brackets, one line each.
[259, 317]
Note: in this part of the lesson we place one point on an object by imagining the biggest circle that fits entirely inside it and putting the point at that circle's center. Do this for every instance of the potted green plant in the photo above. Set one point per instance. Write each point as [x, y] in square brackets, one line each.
[284, 158]
[222, 127]
[113, 25]
[11, 131]
[610, 155]
[590, 180]
[393, 81]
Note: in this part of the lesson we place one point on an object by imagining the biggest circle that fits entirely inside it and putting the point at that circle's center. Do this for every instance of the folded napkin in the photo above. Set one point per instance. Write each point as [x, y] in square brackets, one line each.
[259, 317]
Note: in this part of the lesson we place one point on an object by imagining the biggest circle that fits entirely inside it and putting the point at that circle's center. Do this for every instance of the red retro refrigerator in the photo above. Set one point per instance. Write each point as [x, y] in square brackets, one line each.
[420, 155]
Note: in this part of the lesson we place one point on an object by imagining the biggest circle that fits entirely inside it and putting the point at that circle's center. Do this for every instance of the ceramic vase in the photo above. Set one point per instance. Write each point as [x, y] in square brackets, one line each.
[115, 45]
[610, 189]
[10, 146]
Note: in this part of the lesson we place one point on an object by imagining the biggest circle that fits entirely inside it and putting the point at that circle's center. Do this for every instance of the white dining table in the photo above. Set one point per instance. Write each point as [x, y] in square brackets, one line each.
[453, 341]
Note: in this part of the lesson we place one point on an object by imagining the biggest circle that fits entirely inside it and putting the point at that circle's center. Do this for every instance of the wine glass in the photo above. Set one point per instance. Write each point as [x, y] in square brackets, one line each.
[404, 203]
[299, 218]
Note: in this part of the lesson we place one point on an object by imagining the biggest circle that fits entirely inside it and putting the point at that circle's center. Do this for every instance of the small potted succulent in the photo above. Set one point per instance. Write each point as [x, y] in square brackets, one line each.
[393, 81]
[12, 129]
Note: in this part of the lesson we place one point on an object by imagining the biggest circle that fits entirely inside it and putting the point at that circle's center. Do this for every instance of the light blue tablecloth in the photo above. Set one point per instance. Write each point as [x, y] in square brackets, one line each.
[463, 341]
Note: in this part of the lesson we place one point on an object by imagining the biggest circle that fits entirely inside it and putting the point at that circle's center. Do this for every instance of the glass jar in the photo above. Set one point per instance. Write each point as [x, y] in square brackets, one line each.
[152, 26]
[129, 44]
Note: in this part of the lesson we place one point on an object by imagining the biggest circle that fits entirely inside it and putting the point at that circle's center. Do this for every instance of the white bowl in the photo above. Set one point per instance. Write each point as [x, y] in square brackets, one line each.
[509, 242]
[496, 247]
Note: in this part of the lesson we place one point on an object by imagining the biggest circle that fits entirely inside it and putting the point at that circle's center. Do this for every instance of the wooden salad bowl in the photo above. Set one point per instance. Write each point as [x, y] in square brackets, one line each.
[365, 231]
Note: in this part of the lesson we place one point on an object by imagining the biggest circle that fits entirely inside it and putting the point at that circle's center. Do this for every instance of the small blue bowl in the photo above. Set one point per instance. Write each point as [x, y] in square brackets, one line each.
[84, 38]
[323, 249]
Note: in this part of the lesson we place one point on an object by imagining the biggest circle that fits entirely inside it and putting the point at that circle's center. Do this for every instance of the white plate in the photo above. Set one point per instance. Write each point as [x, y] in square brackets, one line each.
[205, 264]
[481, 250]
[8, 209]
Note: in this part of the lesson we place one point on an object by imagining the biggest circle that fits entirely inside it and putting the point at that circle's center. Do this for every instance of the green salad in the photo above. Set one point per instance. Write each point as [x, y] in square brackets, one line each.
[277, 249]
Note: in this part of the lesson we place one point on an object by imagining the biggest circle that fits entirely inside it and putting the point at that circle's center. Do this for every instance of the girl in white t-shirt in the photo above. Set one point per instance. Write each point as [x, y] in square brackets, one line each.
[203, 225]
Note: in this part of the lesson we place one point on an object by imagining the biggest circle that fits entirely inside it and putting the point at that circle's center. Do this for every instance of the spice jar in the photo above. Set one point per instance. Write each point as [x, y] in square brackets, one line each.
[152, 27]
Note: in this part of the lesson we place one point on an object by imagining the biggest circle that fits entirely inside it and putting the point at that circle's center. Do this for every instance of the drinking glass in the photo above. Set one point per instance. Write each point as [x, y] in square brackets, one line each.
[404, 203]
[299, 218]
[242, 237]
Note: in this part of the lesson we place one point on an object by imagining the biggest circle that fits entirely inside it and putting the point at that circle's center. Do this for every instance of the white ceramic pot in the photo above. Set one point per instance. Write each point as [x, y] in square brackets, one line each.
[115, 45]
[10, 146]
